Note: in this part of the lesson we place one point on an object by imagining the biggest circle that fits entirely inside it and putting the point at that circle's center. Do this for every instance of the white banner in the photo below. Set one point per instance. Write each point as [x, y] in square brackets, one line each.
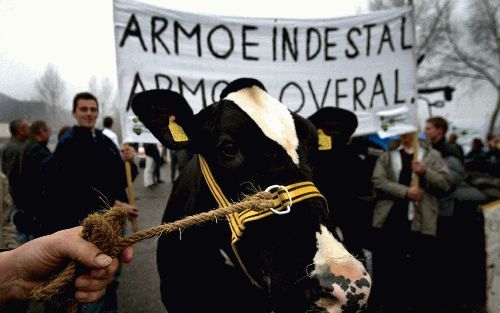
[362, 63]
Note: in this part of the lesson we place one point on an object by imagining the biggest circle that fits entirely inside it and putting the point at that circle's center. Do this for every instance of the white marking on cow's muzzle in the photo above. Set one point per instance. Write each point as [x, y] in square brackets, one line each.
[341, 275]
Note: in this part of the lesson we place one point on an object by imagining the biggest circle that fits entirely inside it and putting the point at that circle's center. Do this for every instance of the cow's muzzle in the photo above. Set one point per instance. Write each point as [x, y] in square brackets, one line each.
[344, 282]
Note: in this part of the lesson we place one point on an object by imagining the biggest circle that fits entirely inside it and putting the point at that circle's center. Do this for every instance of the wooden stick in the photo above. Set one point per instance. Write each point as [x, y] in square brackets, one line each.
[131, 198]
[416, 179]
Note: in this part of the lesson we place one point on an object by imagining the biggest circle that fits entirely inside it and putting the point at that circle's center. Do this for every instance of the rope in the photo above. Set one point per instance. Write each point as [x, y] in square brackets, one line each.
[105, 229]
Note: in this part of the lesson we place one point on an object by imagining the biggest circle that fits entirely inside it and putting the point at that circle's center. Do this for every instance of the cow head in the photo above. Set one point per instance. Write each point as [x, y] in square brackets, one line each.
[251, 141]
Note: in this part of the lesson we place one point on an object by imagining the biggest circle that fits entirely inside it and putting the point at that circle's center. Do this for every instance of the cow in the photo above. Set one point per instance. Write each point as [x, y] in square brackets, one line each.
[285, 262]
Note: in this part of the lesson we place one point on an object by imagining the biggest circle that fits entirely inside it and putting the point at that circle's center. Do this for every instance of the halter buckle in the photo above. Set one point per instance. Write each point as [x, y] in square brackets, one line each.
[288, 207]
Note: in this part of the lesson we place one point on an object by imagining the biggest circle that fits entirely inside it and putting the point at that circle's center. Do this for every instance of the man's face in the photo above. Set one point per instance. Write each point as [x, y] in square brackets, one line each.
[24, 131]
[494, 142]
[407, 140]
[45, 133]
[86, 113]
[432, 133]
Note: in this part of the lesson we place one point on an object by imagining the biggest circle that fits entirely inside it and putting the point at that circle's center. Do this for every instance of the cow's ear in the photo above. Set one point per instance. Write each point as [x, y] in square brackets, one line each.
[166, 114]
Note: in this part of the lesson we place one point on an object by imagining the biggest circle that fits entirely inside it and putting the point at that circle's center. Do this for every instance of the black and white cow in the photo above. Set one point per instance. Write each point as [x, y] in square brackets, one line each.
[293, 262]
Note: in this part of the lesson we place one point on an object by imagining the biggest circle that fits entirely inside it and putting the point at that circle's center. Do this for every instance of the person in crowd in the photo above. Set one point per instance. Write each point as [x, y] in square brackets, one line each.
[62, 131]
[435, 131]
[407, 183]
[164, 153]
[453, 205]
[23, 268]
[19, 130]
[152, 175]
[178, 160]
[492, 155]
[483, 169]
[107, 131]
[26, 181]
[343, 177]
[453, 139]
[86, 174]
[8, 231]
[476, 152]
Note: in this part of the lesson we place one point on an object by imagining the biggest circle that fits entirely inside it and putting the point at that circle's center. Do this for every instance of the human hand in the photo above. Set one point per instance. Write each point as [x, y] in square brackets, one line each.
[34, 262]
[131, 210]
[128, 153]
[414, 194]
[418, 168]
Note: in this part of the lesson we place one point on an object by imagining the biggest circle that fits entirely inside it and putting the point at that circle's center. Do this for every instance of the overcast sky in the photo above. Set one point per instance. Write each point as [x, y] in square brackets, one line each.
[77, 36]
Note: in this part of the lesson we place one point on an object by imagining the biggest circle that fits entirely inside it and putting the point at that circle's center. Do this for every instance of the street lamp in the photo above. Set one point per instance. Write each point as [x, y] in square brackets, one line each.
[446, 90]
[436, 104]
[447, 93]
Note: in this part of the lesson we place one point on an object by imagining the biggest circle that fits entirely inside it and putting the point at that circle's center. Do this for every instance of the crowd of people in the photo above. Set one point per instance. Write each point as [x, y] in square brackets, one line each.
[406, 204]
[415, 206]
[44, 192]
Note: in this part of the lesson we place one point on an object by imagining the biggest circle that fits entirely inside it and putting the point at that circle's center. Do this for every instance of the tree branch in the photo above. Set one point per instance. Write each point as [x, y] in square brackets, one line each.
[464, 58]
[464, 75]
[434, 25]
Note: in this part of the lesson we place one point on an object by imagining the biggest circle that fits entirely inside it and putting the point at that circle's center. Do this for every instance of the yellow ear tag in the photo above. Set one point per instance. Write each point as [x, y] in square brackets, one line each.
[176, 130]
[324, 141]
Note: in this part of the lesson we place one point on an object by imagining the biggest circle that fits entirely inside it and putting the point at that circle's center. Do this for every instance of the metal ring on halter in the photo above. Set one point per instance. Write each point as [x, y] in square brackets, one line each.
[288, 207]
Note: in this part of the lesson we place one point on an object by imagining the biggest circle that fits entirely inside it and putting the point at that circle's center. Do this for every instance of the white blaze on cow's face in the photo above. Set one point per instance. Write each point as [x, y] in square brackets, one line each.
[272, 117]
[340, 274]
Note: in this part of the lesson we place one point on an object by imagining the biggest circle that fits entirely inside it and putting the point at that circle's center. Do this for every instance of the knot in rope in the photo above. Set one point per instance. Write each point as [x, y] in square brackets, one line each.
[105, 230]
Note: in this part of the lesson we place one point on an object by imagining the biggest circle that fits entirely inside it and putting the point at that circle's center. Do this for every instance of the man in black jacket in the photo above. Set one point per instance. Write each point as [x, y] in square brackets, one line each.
[435, 130]
[26, 181]
[87, 172]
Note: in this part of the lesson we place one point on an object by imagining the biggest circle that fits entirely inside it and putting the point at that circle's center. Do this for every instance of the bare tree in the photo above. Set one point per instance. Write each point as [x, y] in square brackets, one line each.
[50, 88]
[464, 47]
[104, 92]
[429, 33]
[375, 5]
[475, 47]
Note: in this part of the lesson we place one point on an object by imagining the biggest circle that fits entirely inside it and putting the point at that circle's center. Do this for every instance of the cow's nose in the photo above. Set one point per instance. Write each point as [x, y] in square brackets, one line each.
[345, 286]
[337, 270]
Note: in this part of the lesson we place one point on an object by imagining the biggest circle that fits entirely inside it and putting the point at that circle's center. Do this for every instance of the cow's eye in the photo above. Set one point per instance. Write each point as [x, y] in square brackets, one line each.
[229, 150]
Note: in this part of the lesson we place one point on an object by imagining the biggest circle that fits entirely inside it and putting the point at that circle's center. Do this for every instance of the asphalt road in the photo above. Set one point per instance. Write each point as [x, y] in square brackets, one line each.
[139, 289]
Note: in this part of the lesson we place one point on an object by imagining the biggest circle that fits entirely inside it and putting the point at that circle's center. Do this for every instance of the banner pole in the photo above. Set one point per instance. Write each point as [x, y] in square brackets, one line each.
[416, 179]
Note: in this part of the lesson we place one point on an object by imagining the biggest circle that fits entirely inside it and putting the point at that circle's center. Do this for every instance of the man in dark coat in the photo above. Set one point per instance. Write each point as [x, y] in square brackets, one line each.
[457, 211]
[19, 130]
[435, 131]
[26, 181]
[86, 173]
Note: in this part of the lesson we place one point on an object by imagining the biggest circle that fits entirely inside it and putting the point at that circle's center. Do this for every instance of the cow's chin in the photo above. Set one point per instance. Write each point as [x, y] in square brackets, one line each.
[329, 304]
[337, 302]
